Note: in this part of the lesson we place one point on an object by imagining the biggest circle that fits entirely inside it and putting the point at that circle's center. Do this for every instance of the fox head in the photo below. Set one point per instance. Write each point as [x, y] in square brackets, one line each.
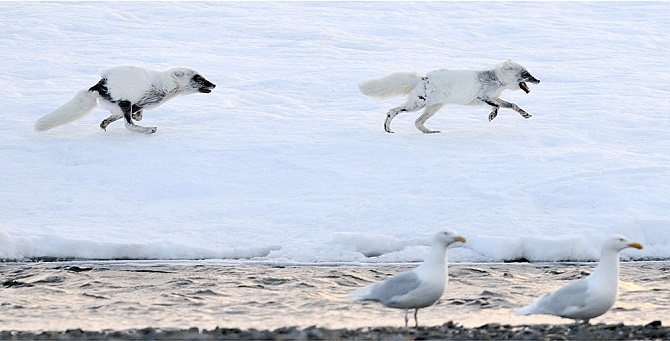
[516, 76]
[191, 81]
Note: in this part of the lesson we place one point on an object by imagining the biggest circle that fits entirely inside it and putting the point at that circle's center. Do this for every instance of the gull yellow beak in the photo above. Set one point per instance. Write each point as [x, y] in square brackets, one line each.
[636, 245]
[462, 240]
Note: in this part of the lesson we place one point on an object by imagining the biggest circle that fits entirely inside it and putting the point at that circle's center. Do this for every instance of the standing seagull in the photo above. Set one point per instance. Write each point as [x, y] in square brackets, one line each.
[418, 288]
[590, 296]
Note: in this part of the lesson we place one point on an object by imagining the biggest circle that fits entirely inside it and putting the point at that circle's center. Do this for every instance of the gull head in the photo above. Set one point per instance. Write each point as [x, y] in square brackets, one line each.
[448, 237]
[618, 242]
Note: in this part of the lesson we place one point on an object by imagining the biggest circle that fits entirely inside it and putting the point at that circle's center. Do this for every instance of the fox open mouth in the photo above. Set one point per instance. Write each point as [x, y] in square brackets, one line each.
[524, 87]
[207, 88]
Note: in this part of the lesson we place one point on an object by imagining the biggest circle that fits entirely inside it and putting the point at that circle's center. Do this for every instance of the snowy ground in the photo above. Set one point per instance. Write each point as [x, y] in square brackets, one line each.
[286, 161]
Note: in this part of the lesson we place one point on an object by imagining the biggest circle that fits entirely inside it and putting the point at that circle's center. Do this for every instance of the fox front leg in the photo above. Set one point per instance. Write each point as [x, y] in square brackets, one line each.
[126, 108]
[493, 113]
[137, 115]
[496, 103]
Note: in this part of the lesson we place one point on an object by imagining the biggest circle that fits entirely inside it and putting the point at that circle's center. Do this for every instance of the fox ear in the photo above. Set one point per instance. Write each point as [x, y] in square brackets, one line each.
[178, 73]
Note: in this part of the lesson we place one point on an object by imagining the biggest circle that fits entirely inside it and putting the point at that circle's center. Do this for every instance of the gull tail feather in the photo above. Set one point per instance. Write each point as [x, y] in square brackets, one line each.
[364, 294]
[532, 308]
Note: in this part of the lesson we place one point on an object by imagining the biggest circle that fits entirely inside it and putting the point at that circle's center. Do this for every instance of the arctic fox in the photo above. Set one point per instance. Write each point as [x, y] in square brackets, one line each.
[442, 87]
[126, 91]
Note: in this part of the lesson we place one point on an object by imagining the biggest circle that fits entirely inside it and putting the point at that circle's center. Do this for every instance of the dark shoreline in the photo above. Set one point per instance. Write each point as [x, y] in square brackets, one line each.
[448, 331]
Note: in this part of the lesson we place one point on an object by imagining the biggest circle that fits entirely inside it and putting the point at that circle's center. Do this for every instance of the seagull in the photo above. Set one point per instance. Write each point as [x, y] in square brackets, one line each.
[418, 288]
[589, 296]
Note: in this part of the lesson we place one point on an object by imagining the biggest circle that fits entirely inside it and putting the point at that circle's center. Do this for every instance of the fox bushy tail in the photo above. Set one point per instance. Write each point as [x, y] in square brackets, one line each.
[395, 84]
[81, 105]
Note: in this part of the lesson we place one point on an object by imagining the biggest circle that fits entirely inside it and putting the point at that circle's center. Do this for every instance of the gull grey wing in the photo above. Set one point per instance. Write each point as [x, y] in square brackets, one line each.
[397, 285]
[570, 295]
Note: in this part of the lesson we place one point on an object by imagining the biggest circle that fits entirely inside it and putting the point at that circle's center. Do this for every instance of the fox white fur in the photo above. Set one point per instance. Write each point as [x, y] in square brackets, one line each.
[440, 87]
[126, 91]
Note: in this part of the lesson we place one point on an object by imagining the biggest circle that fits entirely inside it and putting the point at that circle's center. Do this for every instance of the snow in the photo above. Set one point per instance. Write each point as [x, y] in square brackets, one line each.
[285, 161]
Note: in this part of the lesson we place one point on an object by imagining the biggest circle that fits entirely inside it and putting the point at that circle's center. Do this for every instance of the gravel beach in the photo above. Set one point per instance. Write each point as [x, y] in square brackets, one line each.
[448, 331]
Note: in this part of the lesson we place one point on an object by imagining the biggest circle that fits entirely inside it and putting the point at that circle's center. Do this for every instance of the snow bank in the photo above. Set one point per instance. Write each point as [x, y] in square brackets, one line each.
[285, 160]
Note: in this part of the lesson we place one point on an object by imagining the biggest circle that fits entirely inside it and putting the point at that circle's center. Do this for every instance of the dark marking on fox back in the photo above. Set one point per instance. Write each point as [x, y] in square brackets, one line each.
[153, 97]
[488, 76]
[102, 90]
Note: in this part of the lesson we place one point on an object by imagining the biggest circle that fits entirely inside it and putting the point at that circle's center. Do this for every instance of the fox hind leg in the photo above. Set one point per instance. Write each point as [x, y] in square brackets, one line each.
[137, 116]
[427, 113]
[389, 117]
[415, 105]
[110, 119]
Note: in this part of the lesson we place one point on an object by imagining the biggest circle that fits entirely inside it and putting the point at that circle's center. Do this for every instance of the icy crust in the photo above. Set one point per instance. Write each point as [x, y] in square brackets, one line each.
[346, 247]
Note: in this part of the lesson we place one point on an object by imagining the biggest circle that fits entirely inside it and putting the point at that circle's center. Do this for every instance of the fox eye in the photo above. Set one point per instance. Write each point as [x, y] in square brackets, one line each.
[197, 78]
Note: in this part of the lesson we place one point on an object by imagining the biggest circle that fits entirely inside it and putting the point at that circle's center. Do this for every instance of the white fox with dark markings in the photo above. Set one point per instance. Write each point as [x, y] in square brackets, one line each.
[440, 87]
[126, 91]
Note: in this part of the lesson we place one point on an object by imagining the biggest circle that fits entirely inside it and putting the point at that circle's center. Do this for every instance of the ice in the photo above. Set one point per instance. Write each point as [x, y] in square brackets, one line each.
[286, 161]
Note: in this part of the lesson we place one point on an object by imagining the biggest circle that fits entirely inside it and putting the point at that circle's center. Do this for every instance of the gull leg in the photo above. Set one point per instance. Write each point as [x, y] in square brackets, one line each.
[406, 317]
[416, 320]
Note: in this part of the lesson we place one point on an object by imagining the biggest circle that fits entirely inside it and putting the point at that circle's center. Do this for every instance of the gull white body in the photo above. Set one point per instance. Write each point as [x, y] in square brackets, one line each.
[418, 288]
[590, 296]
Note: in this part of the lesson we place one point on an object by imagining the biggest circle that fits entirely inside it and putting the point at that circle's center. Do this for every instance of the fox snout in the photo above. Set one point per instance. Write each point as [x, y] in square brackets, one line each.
[207, 86]
[204, 85]
[527, 77]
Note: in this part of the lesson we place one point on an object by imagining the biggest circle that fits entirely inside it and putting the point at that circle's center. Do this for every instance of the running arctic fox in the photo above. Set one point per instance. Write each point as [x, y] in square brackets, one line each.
[443, 86]
[127, 91]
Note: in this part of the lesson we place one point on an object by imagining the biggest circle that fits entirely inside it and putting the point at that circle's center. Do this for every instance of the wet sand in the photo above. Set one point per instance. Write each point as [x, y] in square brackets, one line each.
[219, 300]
